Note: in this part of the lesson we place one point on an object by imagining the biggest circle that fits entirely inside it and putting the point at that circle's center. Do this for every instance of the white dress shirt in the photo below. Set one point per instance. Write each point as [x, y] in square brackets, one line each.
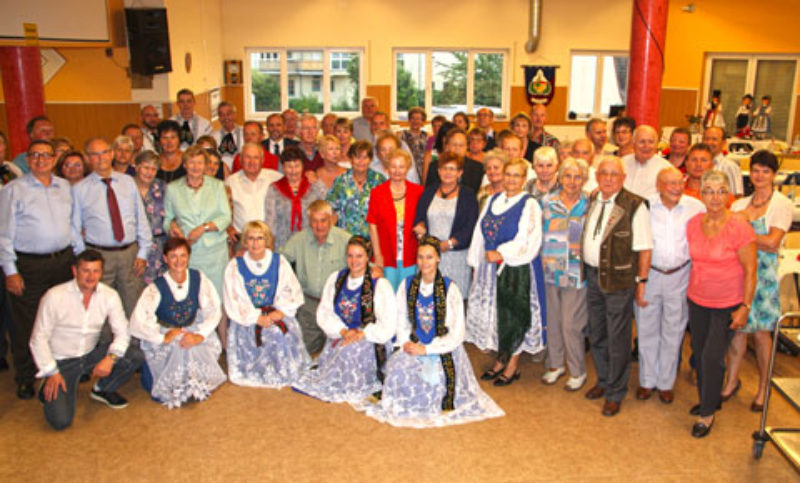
[238, 139]
[640, 178]
[248, 196]
[524, 247]
[199, 125]
[144, 322]
[454, 319]
[378, 332]
[642, 238]
[65, 329]
[668, 226]
[238, 304]
[732, 170]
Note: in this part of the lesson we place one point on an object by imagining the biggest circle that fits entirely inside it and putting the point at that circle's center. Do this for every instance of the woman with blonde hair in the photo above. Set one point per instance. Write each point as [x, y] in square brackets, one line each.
[261, 295]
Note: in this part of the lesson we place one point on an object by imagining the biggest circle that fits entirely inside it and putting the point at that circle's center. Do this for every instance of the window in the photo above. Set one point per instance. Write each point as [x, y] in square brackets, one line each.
[447, 81]
[757, 75]
[598, 80]
[277, 79]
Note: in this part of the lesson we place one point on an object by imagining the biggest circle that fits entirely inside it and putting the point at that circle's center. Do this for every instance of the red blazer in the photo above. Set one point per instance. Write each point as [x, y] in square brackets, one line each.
[382, 214]
[270, 162]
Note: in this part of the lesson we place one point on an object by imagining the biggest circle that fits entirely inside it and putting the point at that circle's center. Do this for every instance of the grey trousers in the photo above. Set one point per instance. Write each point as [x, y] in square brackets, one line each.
[566, 319]
[610, 333]
[118, 274]
[313, 336]
[660, 327]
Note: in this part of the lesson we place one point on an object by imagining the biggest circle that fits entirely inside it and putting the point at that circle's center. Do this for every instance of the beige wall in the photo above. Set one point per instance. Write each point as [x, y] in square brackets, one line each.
[380, 26]
[195, 28]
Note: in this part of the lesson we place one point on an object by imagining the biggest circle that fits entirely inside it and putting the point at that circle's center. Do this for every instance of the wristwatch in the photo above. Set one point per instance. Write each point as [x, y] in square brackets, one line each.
[640, 279]
[113, 357]
[205, 227]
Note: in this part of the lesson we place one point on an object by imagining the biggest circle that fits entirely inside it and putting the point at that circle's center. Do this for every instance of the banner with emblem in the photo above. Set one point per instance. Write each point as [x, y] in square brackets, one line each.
[540, 83]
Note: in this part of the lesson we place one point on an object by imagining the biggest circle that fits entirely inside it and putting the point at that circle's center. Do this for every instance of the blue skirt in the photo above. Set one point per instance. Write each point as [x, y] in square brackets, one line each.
[278, 362]
[415, 387]
[343, 374]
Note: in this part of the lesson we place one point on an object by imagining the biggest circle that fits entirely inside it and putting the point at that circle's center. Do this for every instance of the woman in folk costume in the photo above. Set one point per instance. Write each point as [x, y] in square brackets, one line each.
[176, 317]
[357, 312]
[430, 381]
[503, 312]
[261, 295]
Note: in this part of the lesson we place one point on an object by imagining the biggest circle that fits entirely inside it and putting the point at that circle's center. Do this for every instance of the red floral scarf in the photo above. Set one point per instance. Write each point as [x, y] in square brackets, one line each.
[296, 199]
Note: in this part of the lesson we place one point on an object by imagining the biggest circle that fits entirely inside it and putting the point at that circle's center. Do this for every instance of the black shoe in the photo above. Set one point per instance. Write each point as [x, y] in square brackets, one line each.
[3, 364]
[26, 391]
[503, 380]
[725, 397]
[490, 374]
[110, 399]
[700, 430]
[695, 411]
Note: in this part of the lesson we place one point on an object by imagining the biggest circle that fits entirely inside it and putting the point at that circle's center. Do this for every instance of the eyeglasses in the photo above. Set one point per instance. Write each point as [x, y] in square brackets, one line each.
[257, 238]
[711, 192]
[37, 156]
[98, 153]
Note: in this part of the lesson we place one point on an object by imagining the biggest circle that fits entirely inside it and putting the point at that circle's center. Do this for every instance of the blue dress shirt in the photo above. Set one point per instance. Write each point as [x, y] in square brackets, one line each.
[90, 213]
[34, 218]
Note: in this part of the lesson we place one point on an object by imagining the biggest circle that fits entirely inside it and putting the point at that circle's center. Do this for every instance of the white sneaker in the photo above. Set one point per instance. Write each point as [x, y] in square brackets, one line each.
[575, 383]
[552, 375]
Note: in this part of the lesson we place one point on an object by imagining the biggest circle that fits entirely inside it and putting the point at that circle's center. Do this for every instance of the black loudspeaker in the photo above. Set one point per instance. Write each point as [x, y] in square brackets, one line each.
[148, 40]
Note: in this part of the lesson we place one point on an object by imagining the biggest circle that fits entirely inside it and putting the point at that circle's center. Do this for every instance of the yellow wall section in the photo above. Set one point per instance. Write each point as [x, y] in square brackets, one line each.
[725, 26]
[195, 27]
[380, 26]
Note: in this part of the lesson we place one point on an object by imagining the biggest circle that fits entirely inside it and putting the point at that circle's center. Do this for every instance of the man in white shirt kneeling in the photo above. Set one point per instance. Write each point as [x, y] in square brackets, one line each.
[67, 342]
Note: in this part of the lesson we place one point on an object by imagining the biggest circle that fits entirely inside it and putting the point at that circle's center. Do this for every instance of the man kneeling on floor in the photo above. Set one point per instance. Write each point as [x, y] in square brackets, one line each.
[66, 342]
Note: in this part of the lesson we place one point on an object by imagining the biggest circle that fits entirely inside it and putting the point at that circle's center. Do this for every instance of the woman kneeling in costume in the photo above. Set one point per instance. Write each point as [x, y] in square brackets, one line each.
[261, 295]
[357, 313]
[430, 381]
[176, 317]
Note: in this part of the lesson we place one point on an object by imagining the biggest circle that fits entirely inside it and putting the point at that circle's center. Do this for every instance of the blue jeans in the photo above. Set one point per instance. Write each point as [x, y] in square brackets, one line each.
[61, 411]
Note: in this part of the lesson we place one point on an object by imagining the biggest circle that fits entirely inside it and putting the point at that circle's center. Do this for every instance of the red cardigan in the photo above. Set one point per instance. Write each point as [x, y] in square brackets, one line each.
[382, 214]
[270, 162]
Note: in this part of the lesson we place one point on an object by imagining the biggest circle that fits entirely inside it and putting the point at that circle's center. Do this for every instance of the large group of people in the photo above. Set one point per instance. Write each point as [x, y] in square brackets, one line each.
[315, 259]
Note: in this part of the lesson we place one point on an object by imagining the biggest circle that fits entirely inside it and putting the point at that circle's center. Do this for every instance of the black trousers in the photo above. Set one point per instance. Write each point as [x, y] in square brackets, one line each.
[710, 339]
[39, 275]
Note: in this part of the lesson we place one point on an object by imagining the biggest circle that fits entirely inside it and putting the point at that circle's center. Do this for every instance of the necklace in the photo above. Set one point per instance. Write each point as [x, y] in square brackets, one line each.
[762, 203]
[398, 198]
[447, 194]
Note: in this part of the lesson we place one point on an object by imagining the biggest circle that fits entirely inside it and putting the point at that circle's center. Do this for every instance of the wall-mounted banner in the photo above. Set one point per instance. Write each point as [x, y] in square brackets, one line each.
[540, 83]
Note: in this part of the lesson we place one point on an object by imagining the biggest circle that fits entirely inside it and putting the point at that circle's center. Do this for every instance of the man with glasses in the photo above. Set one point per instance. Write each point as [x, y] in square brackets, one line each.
[616, 246]
[35, 249]
[108, 216]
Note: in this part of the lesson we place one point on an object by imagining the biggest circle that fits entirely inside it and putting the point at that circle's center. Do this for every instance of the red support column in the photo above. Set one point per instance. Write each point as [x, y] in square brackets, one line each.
[23, 89]
[648, 32]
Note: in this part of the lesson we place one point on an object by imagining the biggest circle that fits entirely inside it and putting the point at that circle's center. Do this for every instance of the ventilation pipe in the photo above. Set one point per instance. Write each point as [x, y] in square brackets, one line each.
[535, 31]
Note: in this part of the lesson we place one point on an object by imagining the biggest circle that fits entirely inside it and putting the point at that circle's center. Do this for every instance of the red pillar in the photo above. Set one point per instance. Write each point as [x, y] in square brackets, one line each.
[646, 67]
[24, 92]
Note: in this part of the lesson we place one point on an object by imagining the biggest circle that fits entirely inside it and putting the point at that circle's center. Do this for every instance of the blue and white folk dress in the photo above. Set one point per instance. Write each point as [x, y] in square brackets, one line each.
[258, 356]
[353, 372]
[513, 227]
[179, 374]
[439, 388]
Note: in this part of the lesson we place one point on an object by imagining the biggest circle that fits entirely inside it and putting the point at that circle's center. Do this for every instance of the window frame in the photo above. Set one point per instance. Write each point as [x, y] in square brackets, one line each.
[470, 104]
[325, 82]
[750, 82]
[598, 81]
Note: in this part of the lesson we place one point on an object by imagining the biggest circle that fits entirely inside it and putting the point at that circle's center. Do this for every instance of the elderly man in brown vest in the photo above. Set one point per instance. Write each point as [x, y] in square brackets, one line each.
[616, 253]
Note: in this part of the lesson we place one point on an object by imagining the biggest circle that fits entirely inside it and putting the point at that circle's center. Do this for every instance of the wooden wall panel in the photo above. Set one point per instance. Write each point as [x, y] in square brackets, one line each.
[383, 94]
[556, 110]
[676, 104]
[235, 95]
[79, 122]
[796, 128]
